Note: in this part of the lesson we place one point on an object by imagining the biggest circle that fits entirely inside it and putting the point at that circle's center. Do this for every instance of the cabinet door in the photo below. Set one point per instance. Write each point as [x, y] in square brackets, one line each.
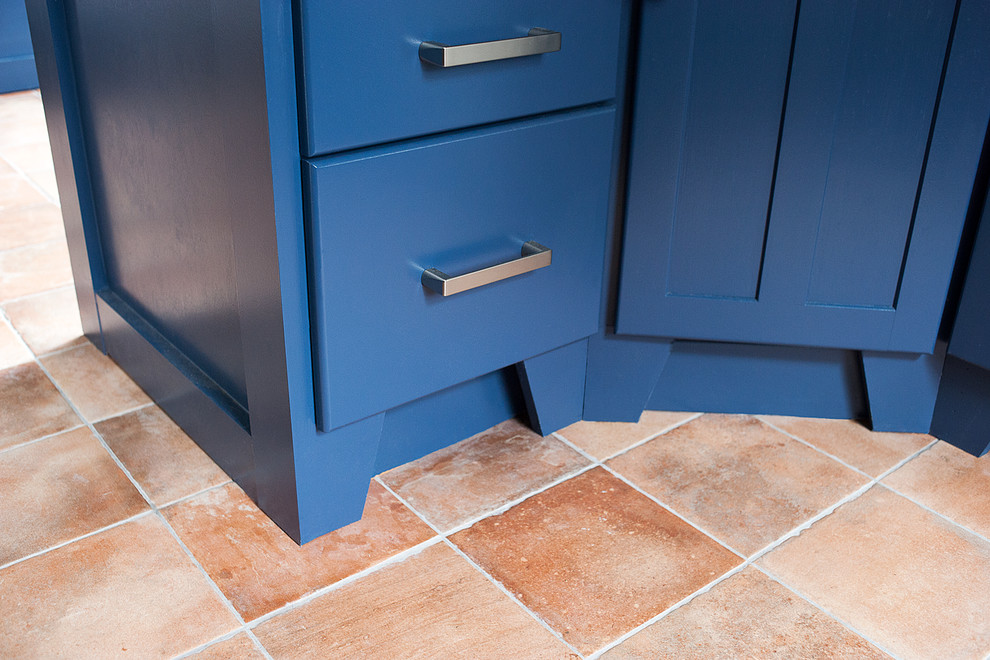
[776, 168]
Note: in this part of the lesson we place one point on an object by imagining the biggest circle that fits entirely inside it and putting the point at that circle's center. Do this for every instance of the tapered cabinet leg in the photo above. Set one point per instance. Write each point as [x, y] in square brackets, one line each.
[333, 472]
[902, 389]
[621, 376]
[553, 386]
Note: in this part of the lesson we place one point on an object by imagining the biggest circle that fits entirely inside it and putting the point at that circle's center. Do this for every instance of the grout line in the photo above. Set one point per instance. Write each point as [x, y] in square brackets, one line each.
[126, 411]
[937, 513]
[815, 447]
[44, 437]
[902, 463]
[339, 584]
[642, 442]
[23, 173]
[825, 611]
[36, 294]
[186, 498]
[443, 537]
[216, 640]
[77, 538]
[64, 349]
[257, 644]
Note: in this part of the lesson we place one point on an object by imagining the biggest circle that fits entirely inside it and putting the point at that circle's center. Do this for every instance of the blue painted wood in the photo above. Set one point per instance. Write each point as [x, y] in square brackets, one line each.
[436, 421]
[553, 386]
[849, 261]
[778, 380]
[457, 203]
[363, 82]
[622, 373]
[902, 388]
[17, 67]
[962, 412]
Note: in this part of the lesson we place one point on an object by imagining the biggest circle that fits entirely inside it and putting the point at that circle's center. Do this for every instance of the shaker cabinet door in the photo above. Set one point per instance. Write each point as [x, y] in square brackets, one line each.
[780, 183]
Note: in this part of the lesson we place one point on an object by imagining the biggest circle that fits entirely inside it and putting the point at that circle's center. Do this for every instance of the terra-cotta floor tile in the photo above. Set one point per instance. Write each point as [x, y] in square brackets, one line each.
[604, 439]
[30, 155]
[48, 321]
[747, 616]
[433, 605]
[30, 224]
[129, 591]
[593, 557]
[12, 351]
[60, 488]
[737, 478]
[162, 458]
[904, 577]
[454, 485]
[16, 191]
[33, 269]
[260, 569]
[96, 386]
[30, 406]
[850, 441]
[951, 482]
[238, 647]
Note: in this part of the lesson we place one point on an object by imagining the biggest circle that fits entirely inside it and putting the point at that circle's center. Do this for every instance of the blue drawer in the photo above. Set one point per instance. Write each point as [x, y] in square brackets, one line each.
[379, 218]
[364, 83]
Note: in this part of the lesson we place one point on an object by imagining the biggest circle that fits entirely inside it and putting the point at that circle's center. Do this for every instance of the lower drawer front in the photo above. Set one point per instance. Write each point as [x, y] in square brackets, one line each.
[378, 219]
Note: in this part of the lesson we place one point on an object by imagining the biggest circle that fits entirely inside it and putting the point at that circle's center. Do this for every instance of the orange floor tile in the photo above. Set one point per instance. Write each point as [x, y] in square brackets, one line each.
[681, 536]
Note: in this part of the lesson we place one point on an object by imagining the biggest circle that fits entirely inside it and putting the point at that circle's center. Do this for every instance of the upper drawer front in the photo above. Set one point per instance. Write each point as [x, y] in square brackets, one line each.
[461, 203]
[364, 82]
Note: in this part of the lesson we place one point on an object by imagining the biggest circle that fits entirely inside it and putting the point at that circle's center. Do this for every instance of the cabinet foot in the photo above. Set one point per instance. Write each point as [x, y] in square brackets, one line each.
[962, 413]
[621, 376]
[333, 472]
[553, 386]
[902, 388]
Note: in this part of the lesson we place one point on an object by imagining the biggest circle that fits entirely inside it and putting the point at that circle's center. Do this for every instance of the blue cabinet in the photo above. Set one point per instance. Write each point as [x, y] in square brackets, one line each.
[17, 70]
[798, 176]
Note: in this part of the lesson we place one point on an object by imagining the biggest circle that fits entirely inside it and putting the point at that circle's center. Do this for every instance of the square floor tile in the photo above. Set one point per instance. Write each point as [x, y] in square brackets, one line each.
[604, 439]
[907, 579]
[159, 456]
[433, 605]
[30, 406]
[747, 616]
[30, 155]
[17, 191]
[34, 268]
[594, 558]
[260, 569]
[12, 350]
[96, 386]
[129, 591]
[48, 321]
[30, 224]
[950, 481]
[454, 485]
[57, 489]
[848, 440]
[737, 478]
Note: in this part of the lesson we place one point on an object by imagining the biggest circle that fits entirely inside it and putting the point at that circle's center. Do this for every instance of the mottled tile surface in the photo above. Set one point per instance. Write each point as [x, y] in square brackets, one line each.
[737, 478]
[33, 269]
[454, 485]
[951, 482]
[129, 591]
[30, 224]
[850, 441]
[30, 406]
[604, 439]
[238, 647]
[433, 605]
[96, 386]
[162, 458]
[260, 569]
[594, 558]
[60, 488]
[12, 351]
[48, 321]
[874, 563]
[746, 616]
[15, 191]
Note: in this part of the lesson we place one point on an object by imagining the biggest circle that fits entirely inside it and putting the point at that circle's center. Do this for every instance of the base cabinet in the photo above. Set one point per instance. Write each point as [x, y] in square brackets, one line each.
[254, 216]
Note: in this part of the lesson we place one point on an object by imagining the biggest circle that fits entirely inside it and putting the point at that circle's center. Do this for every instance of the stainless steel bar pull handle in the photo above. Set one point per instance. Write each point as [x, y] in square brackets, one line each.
[538, 42]
[533, 256]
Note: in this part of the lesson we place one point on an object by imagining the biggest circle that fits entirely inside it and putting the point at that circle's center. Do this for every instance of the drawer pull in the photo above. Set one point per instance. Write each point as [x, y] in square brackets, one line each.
[538, 42]
[533, 256]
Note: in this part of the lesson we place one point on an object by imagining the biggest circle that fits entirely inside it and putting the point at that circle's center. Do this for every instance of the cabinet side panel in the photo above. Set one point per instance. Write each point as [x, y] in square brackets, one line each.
[157, 125]
[880, 127]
